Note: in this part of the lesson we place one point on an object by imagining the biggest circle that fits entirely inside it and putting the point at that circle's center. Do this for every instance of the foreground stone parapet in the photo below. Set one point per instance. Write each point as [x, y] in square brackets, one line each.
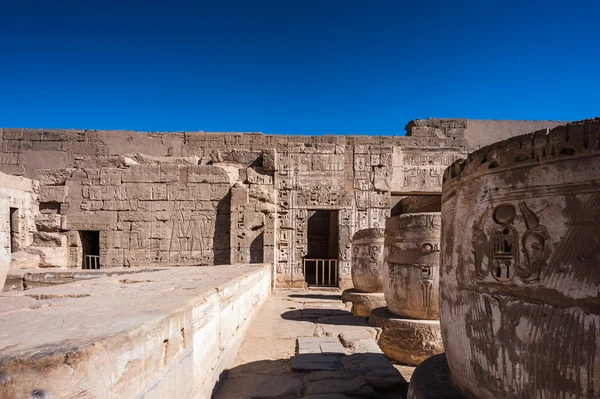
[410, 272]
[520, 269]
[160, 334]
[363, 303]
[407, 341]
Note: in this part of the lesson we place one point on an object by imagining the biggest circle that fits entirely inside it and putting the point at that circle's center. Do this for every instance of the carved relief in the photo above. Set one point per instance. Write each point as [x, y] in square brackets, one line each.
[498, 252]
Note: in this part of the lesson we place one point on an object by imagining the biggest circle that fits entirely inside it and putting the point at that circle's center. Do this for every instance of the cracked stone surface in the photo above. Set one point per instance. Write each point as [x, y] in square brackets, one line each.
[306, 344]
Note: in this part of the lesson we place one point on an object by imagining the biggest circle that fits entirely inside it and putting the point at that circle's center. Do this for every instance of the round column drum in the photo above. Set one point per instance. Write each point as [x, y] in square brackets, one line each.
[367, 260]
[520, 273]
[411, 266]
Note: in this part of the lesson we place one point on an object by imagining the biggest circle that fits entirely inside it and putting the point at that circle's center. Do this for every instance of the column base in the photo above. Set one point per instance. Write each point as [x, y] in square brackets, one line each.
[432, 380]
[363, 303]
[407, 341]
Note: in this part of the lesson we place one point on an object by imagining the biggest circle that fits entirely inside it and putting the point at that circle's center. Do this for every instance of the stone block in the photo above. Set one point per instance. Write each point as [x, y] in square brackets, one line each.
[207, 174]
[141, 174]
[101, 193]
[263, 193]
[52, 256]
[169, 173]
[54, 177]
[258, 176]
[270, 160]
[24, 260]
[110, 177]
[134, 191]
[45, 239]
[218, 191]
[47, 222]
[99, 220]
[193, 193]
[53, 194]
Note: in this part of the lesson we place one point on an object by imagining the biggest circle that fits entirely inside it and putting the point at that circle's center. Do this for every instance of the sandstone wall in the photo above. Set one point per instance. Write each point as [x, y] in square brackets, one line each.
[174, 198]
[17, 206]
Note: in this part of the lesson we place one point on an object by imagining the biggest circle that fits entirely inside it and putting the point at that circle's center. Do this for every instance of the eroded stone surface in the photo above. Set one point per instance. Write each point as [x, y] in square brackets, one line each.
[407, 341]
[367, 259]
[411, 266]
[519, 275]
[363, 303]
[432, 380]
[176, 333]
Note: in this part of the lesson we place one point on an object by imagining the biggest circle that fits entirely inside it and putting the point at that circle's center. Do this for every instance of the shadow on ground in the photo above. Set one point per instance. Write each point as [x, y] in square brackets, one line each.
[331, 297]
[336, 317]
[361, 375]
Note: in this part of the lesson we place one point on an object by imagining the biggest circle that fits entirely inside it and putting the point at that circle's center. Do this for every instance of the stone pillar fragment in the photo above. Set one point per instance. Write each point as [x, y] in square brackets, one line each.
[410, 329]
[520, 277]
[367, 265]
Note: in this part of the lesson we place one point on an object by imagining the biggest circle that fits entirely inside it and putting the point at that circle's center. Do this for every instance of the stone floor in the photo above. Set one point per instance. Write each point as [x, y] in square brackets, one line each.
[306, 344]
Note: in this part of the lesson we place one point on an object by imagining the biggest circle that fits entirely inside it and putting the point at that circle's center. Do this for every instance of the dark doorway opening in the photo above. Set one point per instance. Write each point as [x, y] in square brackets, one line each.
[321, 260]
[14, 229]
[90, 241]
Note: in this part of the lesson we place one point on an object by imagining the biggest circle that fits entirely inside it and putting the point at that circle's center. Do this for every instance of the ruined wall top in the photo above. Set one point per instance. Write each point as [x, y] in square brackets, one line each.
[476, 132]
[576, 139]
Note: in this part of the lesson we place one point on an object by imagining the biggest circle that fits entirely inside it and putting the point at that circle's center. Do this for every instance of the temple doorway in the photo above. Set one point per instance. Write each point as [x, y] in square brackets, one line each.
[321, 261]
[90, 241]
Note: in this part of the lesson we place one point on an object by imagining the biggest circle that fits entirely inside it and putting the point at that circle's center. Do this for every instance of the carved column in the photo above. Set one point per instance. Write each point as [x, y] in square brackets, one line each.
[520, 271]
[367, 265]
[411, 331]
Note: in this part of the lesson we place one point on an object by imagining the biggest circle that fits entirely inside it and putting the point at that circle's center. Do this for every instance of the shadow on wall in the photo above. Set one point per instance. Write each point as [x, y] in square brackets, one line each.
[221, 240]
[360, 375]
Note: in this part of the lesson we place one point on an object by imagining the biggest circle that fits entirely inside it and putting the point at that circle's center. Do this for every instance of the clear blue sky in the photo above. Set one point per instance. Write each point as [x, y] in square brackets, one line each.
[291, 67]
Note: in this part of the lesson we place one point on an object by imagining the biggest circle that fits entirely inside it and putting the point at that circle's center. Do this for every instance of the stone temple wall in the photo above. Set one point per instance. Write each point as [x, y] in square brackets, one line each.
[199, 198]
[18, 198]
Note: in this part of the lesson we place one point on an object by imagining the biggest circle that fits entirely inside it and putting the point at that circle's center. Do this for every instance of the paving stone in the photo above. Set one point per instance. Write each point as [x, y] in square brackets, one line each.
[308, 366]
[258, 386]
[333, 347]
[326, 375]
[349, 338]
[366, 346]
[357, 386]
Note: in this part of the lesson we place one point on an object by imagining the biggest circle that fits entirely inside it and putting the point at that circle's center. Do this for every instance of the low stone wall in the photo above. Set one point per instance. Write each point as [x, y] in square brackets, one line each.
[27, 279]
[167, 333]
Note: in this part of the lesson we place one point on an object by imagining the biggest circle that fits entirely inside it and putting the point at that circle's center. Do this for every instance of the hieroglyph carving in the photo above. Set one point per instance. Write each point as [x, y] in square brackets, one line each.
[498, 249]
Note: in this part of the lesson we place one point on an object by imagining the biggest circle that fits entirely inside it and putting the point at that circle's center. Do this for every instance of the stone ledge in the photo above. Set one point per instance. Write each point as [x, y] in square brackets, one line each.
[165, 333]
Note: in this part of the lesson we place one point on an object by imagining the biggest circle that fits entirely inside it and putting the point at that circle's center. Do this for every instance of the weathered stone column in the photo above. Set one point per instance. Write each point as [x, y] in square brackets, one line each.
[410, 329]
[520, 270]
[367, 265]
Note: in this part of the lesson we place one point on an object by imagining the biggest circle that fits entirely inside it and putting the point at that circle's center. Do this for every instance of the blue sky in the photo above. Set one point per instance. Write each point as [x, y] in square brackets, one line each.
[294, 67]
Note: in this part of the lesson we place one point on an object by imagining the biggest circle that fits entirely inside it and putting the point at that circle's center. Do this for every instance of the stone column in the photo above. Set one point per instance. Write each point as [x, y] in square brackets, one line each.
[410, 329]
[520, 271]
[367, 265]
